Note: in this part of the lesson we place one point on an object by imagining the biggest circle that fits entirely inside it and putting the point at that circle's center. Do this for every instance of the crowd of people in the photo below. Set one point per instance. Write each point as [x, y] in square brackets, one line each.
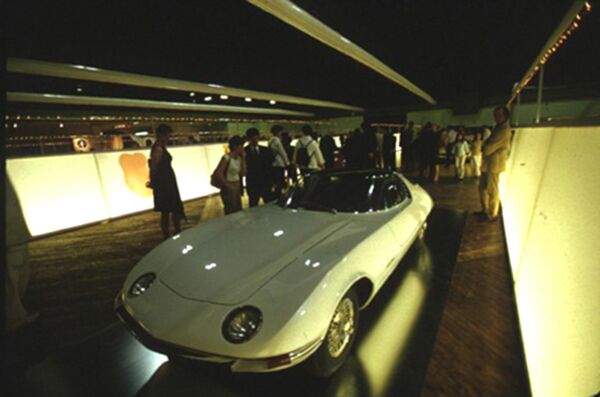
[268, 169]
[431, 147]
[486, 150]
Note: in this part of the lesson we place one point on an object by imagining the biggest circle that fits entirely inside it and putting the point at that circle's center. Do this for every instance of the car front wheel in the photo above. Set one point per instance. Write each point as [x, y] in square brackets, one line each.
[339, 338]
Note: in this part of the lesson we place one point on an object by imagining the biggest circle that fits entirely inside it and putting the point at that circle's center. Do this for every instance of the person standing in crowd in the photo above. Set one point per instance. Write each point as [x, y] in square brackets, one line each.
[411, 151]
[406, 137]
[424, 147]
[164, 183]
[443, 141]
[328, 148]
[351, 149]
[286, 141]
[280, 161]
[389, 150]
[370, 145]
[307, 155]
[259, 160]
[434, 154]
[229, 173]
[460, 153]
[487, 132]
[451, 138]
[361, 148]
[429, 147]
[476, 154]
[495, 153]
[379, 149]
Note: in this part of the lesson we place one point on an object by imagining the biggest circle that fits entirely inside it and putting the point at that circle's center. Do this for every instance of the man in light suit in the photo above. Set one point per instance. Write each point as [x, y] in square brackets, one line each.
[495, 153]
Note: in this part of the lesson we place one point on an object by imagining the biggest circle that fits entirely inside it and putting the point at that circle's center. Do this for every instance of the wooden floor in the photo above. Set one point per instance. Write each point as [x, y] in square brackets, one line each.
[75, 276]
[478, 350]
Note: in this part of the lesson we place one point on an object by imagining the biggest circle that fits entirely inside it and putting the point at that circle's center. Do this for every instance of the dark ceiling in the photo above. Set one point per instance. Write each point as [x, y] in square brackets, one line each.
[451, 49]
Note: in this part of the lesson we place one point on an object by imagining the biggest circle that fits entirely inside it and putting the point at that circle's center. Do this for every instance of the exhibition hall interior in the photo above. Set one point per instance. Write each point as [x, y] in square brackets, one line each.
[301, 198]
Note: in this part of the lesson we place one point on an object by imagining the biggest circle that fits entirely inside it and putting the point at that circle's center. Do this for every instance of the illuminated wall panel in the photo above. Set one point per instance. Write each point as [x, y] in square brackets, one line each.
[192, 171]
[557, 280]
[124, 175]
[57, 192]
[519, 192]
[61, 192]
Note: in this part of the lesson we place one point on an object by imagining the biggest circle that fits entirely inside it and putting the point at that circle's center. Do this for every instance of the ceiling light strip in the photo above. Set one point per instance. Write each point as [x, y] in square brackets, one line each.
[565, 28]
[88, 73]
[303, 21]
[58, 99]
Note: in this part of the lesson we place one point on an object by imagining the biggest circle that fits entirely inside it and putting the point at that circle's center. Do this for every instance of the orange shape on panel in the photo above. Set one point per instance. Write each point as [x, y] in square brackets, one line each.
[135, 170]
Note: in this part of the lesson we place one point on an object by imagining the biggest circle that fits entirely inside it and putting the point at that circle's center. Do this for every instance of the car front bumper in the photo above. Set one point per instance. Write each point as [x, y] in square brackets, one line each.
[268, 364]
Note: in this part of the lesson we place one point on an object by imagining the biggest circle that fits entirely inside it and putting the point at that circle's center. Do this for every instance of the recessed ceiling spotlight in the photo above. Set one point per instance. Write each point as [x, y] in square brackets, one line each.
[224, 97]
[192, 94]
[248, 99]
[272, 102]
[207, 98]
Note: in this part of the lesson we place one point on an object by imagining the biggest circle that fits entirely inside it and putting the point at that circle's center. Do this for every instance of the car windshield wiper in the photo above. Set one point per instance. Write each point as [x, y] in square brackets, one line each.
[315, 205]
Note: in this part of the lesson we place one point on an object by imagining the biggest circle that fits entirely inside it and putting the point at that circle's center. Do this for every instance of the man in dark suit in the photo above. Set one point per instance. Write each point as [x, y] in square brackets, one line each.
[370, 140]
[328, 148]
[258, 169]
[389, 151]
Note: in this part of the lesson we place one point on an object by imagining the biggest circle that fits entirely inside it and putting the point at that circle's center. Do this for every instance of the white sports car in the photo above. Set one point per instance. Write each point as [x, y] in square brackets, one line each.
[267, 288]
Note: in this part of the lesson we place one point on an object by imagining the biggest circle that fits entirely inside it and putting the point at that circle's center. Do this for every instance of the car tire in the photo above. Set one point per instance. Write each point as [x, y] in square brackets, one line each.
[339, 338]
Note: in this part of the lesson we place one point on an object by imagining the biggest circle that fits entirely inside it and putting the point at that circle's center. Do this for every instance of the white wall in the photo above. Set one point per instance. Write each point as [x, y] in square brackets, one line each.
[57, 192]
[62, 192]
[551, 212]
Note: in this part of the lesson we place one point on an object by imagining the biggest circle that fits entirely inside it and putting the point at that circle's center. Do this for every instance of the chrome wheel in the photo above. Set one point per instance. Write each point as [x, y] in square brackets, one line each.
[341, 328]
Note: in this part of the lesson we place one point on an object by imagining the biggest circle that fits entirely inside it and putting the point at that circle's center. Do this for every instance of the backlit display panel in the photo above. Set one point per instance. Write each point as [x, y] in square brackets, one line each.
[551, 222]
[124, 175]
[58, 192]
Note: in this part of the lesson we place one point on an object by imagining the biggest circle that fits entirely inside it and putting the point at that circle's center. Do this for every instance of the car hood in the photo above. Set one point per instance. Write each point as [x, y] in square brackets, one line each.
[250, 248]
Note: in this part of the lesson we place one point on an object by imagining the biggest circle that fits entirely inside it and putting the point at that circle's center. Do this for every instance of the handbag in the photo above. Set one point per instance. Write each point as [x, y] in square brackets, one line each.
[214, 180]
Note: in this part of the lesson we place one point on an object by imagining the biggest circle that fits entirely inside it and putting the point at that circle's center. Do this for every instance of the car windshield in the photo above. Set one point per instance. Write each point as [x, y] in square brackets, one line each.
[335, 193]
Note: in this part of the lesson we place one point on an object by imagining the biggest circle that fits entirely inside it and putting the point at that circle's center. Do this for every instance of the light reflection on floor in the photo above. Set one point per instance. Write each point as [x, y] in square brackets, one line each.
[390, 335]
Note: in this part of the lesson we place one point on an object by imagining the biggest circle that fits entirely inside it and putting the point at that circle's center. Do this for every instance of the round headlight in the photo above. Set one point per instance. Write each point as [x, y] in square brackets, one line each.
[142, 284]
[242, 324]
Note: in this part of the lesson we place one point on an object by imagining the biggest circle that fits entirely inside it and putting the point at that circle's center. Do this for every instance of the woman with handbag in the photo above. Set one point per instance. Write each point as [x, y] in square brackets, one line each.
[228, 175]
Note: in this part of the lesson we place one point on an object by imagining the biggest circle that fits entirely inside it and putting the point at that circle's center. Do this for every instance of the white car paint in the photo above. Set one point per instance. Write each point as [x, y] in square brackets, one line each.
[293, 265]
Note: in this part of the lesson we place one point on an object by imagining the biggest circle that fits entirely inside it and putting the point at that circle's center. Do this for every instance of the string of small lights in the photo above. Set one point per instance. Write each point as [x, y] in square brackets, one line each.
[158, 118]
[582, 8]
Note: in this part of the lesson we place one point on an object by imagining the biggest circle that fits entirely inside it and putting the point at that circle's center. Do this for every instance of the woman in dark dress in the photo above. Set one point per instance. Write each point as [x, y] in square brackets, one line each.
[164, 184]
[286, 141]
